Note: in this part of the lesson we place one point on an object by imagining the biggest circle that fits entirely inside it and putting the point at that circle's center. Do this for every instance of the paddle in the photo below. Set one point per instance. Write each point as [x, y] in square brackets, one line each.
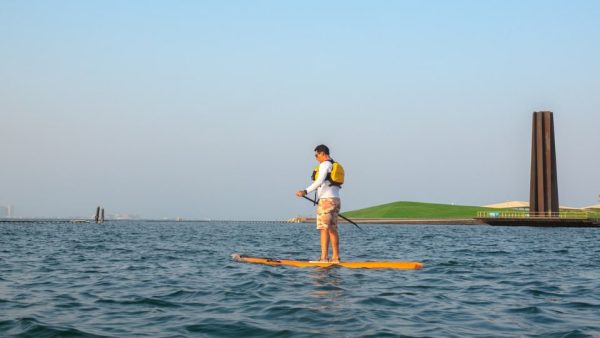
[349, 220]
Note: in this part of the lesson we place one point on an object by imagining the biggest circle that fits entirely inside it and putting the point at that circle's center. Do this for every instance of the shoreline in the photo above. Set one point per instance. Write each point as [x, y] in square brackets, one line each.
[433, 221]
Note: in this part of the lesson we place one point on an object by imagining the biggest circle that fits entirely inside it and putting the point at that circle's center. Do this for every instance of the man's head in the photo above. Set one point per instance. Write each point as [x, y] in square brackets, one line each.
[321, 152]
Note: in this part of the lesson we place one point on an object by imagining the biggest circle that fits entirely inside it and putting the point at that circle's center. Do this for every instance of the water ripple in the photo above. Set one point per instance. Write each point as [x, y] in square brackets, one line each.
[173, 279]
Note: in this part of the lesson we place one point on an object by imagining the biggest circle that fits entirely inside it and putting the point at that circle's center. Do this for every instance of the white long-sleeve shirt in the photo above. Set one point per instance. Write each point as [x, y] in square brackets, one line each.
[324, 187]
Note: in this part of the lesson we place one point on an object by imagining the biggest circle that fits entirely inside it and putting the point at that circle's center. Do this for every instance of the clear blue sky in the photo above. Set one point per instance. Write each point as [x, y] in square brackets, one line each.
[211, 109]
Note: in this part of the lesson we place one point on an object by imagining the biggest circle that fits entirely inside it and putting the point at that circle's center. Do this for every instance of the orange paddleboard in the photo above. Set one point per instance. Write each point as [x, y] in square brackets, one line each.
[306, 263]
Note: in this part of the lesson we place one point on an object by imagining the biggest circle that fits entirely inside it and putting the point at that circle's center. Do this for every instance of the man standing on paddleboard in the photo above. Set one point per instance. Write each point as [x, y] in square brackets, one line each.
[328, 206]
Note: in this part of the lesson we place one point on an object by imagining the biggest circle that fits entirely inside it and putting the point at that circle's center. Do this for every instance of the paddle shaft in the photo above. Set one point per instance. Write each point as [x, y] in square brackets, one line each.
[349, 220]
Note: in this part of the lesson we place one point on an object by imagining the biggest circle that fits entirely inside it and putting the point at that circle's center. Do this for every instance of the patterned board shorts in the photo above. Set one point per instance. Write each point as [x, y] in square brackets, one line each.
[327, 213]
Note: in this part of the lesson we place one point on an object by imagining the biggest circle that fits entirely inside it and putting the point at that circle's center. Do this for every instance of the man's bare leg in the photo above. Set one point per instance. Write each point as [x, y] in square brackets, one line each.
[335, 246]
[324, 244]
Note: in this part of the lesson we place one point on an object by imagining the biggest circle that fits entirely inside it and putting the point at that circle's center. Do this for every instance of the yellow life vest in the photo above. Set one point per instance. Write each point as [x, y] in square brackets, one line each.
[335, 177]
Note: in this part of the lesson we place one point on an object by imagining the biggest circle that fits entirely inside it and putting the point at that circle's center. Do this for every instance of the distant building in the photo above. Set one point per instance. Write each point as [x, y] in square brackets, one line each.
[124, 216]
[509, 205]
[525, 205]
[3, 211]
[10, 211]
[562, 207]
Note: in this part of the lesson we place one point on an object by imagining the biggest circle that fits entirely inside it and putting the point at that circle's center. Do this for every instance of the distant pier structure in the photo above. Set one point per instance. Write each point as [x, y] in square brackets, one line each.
[544, 209]
[99, 218]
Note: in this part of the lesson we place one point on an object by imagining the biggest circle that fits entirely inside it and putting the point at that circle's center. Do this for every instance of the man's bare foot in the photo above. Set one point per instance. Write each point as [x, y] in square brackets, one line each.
[334, 260]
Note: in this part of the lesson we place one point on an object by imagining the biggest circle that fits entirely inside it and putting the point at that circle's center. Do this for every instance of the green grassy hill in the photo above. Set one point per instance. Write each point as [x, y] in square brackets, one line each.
[417, 210]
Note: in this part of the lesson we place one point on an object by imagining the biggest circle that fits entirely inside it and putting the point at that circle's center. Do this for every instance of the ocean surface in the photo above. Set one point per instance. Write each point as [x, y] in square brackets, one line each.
[176, 279]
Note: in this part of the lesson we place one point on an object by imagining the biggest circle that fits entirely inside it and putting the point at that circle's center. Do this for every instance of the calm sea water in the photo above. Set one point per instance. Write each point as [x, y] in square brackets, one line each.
[175, 279]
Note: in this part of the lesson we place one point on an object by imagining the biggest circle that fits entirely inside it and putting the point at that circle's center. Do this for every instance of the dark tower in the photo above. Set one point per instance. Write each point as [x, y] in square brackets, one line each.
[543, 196]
